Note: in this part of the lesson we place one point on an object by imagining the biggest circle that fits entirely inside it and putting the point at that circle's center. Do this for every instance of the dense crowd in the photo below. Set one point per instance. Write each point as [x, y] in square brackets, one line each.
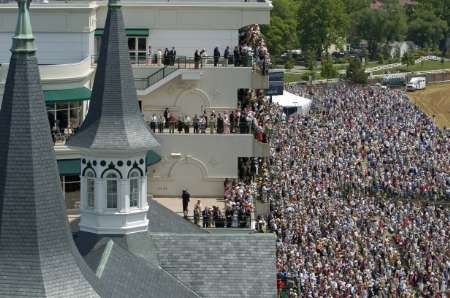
[359, 190]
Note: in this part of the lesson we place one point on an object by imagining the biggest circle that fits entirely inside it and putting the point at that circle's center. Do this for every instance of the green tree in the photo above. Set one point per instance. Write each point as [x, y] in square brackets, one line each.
[395, 20]
[322, 23]
[355, 72]
[328, 70]
[408, 59]
[370, 26]
[426, 29]
[281, 34]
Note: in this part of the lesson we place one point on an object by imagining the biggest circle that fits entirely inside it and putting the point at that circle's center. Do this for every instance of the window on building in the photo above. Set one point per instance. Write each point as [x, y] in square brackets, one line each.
[137, 47]
[90, 189]
[64, 115]
[135, 185]
[71, 190]
[111, 191]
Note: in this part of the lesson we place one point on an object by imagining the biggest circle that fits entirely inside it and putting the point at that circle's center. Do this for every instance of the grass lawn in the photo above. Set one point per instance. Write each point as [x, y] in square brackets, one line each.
[424, 66]
[434, 100]
[292, 77]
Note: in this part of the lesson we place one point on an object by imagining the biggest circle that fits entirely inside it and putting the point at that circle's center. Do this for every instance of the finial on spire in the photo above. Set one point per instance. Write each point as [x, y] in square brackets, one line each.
[23, 40]
[114, 3]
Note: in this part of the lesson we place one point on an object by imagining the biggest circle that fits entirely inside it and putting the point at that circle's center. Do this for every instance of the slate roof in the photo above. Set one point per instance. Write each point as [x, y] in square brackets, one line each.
[114, 121]
[38, 257]
[211, 265]
[130, 276]
[221, 265]
[163, 220]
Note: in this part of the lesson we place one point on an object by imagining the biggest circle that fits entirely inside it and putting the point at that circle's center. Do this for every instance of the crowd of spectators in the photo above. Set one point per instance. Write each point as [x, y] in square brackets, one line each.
[252, 44]
[359, 190]
[252, 119]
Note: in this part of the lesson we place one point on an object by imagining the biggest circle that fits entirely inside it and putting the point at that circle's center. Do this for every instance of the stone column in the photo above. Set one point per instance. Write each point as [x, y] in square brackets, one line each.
[100, 195]
[123, 192]
[83, 193]
[143, 202]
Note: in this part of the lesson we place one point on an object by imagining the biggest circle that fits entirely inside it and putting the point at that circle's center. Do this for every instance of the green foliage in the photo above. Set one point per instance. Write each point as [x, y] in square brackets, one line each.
[322, 23]
[281, 34]
[328, 70]
[310, 59]
[355, 72]
[408, 59]
[426, 29]
[289, 64]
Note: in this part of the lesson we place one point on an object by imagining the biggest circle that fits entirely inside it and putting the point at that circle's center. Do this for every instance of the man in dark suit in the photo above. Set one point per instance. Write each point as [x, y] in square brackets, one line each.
[216, 56]
[173, 55]
[186, 197]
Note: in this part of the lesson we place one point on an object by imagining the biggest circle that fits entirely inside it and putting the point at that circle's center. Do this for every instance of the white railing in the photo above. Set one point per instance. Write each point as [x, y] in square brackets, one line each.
[383, 67]
[427, 58]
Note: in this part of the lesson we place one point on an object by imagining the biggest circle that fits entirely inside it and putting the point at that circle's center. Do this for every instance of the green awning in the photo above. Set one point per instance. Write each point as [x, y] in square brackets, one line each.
[69, 167]
[130, 32]
[75, 94]
[151, 158]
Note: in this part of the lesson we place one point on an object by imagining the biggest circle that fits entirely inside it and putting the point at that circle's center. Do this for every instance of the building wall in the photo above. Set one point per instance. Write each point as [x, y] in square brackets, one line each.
[216, 88]
[199, 163]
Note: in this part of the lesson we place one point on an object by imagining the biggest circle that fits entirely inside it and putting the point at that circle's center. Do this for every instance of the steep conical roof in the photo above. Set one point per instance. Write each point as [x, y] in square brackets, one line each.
[114, 121]
[37, 255]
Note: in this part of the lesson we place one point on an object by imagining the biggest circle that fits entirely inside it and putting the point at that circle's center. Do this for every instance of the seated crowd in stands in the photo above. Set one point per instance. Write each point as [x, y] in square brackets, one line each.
[359, 190]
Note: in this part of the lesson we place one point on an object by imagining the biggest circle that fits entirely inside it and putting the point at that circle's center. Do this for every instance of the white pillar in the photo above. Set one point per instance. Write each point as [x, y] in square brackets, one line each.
[124, 198]
[100, 195]
[143, 203]
[83, 193]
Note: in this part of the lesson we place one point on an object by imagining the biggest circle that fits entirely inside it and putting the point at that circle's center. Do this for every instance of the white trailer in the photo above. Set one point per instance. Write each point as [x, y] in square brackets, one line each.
[416, 83]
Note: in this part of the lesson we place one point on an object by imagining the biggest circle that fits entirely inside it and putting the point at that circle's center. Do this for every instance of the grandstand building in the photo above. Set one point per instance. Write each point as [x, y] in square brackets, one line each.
[68, 37]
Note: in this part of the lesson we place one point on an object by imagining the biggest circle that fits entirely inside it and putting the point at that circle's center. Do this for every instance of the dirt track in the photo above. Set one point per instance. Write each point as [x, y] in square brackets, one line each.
[434, 100]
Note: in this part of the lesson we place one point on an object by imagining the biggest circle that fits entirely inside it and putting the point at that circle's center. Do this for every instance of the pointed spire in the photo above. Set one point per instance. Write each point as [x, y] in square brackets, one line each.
[114, 121]
[38, 257]
[23, 40]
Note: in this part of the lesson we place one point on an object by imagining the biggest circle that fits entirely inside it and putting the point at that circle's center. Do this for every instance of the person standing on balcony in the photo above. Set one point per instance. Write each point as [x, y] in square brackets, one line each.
[219, 124]
[212, 122]
[186, 197]
[237, 56]
[180, 124]
[216, 56]
[159, 57]
[226, 123]
[196, 59]
[166, 57]
[149, 55]
[226, 55]
[172, 123]
[161, 123]
[232, 121]
[203, 55]
[166, 116]
[172, 56]
[196, 123]
[187, 123]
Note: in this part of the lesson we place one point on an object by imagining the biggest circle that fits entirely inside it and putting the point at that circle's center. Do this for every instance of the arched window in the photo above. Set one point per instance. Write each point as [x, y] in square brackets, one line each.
[111, 190]
[90, 189]
[135, 186]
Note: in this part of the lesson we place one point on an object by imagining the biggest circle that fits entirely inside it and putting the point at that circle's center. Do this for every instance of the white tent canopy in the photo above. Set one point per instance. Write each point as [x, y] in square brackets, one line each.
[290, 100]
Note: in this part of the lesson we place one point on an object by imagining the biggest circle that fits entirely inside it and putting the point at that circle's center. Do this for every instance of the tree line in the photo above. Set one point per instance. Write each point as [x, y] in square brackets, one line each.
[315, 25]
